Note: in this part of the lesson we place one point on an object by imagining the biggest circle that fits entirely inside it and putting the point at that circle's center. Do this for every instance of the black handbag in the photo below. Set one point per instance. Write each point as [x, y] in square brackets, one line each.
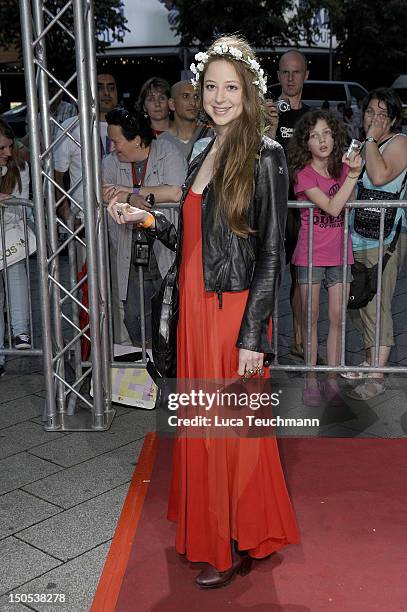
[361, 291]
[363, 287]
[367, 220]
[164, 305]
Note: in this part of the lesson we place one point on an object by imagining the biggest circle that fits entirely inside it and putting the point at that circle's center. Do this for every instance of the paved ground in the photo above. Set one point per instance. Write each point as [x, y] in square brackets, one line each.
[61, 493]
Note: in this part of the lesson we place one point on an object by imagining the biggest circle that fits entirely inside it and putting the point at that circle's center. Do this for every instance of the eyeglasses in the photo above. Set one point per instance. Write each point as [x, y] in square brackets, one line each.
[316, 137]
[371, 113]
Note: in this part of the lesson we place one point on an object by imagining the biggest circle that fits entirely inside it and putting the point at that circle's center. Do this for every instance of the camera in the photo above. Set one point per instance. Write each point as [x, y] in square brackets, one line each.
[355, 146]
[141, 249]
[283, 106]
[150, 199]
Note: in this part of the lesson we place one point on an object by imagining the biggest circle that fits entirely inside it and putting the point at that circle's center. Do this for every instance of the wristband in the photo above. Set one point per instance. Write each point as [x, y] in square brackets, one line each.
[147, 223]
[128, 198]
[136, 190]
[353, 176]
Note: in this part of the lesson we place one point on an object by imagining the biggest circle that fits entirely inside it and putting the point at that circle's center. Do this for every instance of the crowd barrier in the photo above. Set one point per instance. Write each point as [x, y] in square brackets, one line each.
[77, 370]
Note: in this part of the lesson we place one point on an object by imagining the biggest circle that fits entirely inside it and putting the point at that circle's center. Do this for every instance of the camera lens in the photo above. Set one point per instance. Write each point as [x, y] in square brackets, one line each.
[283, 106]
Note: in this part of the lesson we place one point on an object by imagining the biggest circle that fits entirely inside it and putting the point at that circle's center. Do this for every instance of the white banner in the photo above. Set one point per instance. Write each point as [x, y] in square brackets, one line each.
[149, 25]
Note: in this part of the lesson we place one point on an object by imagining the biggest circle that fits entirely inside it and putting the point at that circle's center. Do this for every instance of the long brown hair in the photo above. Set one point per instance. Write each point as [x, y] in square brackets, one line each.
[299, 154]
[235, 160]
[14, 164]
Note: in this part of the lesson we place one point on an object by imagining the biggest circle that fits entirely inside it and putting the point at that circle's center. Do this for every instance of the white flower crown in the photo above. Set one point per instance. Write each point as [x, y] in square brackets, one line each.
[236, 54]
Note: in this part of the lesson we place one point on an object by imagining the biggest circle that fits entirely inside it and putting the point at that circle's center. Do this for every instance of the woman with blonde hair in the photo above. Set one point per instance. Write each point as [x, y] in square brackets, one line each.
[228, 495]
[14, 183]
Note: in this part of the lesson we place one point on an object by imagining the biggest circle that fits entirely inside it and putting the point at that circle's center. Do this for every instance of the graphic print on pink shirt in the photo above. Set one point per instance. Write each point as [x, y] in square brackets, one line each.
[328, 231]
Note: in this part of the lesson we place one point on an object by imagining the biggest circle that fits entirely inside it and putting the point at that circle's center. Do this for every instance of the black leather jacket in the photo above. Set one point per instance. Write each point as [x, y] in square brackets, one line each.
[231, 263]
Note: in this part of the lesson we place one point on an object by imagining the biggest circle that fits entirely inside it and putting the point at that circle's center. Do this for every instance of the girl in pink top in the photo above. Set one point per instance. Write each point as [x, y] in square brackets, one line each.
[323, 175]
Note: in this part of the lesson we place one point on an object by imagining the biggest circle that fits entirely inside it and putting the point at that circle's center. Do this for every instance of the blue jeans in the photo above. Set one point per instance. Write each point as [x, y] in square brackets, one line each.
[18, 300]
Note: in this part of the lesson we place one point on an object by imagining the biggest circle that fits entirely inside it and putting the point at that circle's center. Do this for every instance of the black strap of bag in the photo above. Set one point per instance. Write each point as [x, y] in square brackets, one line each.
[389, 252]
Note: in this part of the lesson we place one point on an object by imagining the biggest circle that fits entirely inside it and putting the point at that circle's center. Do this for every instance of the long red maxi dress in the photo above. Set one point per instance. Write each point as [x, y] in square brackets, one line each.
[228, 487]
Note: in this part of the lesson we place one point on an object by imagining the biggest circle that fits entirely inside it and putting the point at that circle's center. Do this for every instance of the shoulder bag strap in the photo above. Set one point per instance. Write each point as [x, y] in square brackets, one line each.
[393, 243]
[391, 248]
[403, 184]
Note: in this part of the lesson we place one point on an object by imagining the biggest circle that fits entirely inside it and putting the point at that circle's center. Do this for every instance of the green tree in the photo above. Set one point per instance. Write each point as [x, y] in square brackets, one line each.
[372, 36]
[263, 22]
[60, 46]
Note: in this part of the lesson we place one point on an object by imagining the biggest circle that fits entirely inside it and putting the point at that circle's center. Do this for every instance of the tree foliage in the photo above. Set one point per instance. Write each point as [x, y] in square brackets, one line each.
[262, 22]
[372, 36]
[59, 45]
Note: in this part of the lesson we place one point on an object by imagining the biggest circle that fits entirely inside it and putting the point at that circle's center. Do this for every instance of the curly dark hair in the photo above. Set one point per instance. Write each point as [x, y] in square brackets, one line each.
[299, 154]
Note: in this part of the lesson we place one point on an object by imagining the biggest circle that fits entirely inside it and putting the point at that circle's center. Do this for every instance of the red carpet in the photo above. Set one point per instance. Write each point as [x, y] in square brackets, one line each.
[350, 497]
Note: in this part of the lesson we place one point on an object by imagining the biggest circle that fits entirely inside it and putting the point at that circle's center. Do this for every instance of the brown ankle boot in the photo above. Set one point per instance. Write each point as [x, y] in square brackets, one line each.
[211, 578]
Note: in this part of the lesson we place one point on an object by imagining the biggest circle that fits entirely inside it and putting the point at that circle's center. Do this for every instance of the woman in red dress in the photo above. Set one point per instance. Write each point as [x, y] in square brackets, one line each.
[228, 495]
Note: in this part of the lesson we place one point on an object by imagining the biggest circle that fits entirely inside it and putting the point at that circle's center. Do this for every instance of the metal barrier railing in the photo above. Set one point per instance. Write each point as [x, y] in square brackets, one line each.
[15, 247]
[71, 286]
[342, 367]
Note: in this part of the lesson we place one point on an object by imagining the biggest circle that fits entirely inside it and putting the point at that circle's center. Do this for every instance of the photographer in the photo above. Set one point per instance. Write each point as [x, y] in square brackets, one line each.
[291, 74]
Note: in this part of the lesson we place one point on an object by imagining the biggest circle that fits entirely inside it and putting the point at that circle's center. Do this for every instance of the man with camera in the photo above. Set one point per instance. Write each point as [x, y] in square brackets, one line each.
[283, 115]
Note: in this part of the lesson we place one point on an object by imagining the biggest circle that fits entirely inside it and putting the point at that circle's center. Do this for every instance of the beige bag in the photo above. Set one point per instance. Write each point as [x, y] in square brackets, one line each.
[14, 243]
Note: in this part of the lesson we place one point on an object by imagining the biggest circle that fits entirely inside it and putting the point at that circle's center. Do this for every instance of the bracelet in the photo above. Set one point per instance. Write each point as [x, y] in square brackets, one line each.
[128, 198]
[136, 190]
[147, 223]
[353, 176]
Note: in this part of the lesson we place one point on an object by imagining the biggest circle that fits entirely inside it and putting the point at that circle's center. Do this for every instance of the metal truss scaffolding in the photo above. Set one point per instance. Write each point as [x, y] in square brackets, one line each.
[67, 376]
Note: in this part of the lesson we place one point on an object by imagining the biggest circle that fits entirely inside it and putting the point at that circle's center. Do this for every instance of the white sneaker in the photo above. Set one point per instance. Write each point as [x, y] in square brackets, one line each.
[357, 375]
[22, 341]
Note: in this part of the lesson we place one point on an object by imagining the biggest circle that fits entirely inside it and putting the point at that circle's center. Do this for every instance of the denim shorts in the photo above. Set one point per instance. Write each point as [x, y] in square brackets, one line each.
[329, 275]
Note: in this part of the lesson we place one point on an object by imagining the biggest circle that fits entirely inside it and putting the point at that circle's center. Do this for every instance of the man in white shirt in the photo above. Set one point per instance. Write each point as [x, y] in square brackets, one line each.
[67, 154]
[67, 158]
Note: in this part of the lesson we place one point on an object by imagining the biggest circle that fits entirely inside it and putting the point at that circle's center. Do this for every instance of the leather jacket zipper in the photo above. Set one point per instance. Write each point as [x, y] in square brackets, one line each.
[222, 274]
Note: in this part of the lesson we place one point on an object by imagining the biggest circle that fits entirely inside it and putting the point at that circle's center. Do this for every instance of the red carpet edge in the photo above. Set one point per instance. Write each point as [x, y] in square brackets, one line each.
[113, 572]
